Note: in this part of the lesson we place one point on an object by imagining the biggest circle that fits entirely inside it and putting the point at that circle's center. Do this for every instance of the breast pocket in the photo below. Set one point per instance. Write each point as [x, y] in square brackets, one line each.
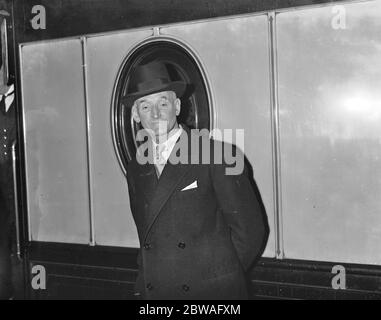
[189, 186]
[187, 194]
[192, 188]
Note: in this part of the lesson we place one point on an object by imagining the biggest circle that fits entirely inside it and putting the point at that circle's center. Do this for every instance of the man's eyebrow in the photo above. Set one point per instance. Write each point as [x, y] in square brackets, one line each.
[164, 97]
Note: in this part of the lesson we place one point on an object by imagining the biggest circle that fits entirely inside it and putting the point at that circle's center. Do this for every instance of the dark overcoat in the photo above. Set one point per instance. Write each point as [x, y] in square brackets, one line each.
[196, 243]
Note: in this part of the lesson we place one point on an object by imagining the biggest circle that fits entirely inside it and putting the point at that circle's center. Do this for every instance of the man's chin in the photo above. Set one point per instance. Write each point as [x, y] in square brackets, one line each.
[158, 133]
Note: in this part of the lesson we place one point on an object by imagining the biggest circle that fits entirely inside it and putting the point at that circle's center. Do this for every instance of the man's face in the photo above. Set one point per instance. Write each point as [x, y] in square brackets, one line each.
[157, 112]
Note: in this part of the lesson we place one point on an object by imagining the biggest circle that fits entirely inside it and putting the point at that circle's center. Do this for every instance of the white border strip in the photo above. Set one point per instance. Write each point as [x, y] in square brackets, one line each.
[88, 138]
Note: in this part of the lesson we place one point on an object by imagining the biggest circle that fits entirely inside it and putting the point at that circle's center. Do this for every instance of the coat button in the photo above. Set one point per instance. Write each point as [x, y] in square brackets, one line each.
[149, 286]
[185, 288]
[181, 245]
[147, 246]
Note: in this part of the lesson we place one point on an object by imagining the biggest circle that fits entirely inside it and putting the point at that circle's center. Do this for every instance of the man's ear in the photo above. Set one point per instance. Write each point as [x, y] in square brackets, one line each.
[135, 114]
[178, 106]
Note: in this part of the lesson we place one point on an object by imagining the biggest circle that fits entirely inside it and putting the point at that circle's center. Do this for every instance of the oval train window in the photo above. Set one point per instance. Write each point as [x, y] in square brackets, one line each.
[195, 102]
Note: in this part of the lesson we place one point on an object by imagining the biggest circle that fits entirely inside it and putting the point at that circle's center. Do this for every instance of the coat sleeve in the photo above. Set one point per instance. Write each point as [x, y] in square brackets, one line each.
[241, 206]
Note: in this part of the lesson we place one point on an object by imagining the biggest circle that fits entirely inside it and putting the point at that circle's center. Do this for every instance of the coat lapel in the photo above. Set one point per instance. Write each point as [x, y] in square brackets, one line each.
[169, 179]
[147, 180]
[146, 173]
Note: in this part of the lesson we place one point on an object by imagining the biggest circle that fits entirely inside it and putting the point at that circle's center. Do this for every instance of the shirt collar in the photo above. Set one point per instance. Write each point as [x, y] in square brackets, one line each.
[172, 140]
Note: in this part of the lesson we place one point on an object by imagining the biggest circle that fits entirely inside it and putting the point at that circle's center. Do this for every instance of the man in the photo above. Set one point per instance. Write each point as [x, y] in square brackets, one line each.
[200, 229]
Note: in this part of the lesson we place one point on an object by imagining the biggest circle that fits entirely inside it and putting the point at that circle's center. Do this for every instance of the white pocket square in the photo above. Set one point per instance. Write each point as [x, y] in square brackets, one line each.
[191, 186]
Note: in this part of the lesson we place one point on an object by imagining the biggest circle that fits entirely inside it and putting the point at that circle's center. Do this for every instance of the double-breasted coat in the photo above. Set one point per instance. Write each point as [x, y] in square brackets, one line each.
[196, 243]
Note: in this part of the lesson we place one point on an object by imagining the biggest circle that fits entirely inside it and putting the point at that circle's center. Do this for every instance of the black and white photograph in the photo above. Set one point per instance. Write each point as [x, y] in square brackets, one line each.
[190, 155]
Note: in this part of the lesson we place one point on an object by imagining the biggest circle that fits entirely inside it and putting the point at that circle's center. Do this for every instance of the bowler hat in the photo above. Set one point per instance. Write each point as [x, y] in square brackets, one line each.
[151, 78]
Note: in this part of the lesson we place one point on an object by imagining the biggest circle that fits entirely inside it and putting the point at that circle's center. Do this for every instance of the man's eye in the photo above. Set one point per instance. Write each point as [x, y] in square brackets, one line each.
[163, 104]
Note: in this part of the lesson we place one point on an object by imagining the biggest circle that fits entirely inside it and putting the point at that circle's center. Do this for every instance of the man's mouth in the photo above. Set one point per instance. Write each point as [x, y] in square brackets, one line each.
[160, 124]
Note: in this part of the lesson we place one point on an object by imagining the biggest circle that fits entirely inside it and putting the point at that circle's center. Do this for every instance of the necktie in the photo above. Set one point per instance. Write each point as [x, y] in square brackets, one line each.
[159, 159]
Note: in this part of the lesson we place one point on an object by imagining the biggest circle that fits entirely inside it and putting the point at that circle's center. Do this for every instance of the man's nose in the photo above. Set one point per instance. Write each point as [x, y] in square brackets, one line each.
[155, 112]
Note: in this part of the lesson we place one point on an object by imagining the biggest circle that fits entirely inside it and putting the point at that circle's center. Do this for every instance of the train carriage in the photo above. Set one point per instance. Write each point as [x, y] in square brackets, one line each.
[301, 78]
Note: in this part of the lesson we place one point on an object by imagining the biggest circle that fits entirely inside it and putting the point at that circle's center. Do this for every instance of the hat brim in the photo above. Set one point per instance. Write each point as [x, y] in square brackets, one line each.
[177, 86]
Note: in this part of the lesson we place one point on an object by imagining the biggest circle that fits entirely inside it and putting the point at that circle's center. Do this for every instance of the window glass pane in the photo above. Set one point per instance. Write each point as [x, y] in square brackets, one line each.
[55, 141]
[330, 130]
